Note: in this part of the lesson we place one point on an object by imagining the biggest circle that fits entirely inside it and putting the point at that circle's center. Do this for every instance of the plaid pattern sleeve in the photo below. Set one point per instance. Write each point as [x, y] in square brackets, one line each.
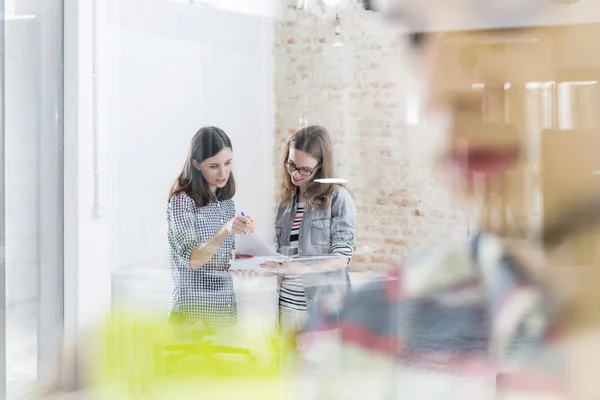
[182, 226]
[205, 295]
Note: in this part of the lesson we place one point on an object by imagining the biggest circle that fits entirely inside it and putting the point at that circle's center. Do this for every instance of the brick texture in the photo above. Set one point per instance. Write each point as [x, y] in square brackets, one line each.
[358, 94]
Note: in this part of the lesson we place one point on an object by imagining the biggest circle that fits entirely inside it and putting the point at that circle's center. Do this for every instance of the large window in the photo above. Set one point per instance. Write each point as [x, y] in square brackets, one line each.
[32, 187]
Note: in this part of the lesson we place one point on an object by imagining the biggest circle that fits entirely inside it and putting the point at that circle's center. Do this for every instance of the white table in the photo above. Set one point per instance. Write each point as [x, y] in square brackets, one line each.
[148, 292]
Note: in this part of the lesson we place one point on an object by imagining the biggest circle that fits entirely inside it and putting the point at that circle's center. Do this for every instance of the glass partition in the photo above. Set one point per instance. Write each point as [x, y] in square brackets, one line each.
[32, 188]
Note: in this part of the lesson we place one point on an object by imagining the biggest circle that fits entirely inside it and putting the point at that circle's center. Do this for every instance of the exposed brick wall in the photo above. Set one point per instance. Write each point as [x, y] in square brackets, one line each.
[357, 92]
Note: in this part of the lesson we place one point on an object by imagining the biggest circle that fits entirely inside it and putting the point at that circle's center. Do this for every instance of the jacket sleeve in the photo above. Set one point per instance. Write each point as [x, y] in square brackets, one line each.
[343, 214]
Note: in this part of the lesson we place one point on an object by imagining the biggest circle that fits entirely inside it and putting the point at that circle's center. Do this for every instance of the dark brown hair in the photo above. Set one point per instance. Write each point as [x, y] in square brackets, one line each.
[313, 140]
[206, 143]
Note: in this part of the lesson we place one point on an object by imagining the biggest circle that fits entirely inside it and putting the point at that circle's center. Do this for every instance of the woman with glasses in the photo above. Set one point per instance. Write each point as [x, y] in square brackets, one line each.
[313, 219]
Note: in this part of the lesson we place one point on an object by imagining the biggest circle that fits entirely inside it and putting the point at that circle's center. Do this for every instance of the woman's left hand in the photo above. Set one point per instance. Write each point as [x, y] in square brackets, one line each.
[280, 267]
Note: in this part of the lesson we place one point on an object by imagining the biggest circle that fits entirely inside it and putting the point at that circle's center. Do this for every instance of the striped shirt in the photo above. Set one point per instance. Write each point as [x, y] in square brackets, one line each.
[292, 291]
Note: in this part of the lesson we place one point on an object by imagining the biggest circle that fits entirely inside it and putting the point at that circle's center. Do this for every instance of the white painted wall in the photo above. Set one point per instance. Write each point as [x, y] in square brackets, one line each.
[164, 73]
[88, 251]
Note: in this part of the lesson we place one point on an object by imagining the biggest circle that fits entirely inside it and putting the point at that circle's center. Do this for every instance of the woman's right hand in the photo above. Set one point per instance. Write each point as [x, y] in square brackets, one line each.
[240, 225]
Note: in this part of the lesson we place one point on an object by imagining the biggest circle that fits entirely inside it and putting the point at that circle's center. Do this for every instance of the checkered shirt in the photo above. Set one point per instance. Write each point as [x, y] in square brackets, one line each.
[451, 324]
[205, 295]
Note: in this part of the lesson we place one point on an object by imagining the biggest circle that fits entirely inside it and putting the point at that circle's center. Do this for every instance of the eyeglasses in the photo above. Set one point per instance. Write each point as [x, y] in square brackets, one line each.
[291, 167]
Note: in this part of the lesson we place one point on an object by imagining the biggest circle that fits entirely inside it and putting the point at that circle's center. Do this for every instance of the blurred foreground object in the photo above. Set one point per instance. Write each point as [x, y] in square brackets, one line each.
[143, 358]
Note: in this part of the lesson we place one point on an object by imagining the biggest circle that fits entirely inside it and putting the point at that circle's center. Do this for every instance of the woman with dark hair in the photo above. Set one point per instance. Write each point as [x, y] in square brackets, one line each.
[313, 219]
[201, 223]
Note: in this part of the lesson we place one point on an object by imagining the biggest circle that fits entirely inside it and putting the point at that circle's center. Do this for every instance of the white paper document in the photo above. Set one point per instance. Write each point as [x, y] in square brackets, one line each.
[255, 244]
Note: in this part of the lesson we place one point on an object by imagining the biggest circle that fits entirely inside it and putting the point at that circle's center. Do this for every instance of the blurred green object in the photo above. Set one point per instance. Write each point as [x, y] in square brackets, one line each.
[146, 356]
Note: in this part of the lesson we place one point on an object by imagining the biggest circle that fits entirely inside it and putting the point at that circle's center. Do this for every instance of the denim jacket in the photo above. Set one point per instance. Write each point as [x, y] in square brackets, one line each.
[321, 231]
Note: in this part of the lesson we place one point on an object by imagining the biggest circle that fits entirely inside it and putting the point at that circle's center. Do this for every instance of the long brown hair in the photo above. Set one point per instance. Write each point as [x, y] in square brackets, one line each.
[206, 143]
[313, 140]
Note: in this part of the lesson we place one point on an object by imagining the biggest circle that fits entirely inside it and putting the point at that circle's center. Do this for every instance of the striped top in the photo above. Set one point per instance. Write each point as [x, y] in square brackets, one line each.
[291, 291]
[342, 249]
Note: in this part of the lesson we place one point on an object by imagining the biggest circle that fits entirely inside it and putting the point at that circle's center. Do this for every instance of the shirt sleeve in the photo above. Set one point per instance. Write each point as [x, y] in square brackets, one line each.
[182, 225]
[229, 217]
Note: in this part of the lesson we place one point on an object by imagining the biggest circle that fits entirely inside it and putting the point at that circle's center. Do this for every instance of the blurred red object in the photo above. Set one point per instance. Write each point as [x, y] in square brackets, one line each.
[238, 256]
